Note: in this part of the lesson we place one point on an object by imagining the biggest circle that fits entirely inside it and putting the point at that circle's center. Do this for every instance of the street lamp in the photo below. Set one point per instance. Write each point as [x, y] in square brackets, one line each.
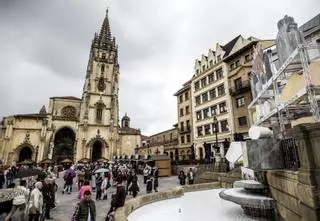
[215, 122]
[37, 151]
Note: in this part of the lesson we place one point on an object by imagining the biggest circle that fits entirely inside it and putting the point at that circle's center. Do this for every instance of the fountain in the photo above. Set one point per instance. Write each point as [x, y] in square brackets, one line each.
[251, 194]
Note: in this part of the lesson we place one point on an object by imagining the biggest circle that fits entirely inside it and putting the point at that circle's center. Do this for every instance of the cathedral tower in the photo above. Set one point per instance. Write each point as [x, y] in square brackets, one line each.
[99, 116]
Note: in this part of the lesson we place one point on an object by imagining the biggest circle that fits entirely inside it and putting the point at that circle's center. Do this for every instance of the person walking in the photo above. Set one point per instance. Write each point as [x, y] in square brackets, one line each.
[155, 175]
[85, 187]
[105, 186]
[48, 196]
[182, 178]
[98, 187]
[19, 202]
[146, 173]
[117, 200]
[34, 208]
[129, 180]
[190, 177]
[86, 209]
[134, 185]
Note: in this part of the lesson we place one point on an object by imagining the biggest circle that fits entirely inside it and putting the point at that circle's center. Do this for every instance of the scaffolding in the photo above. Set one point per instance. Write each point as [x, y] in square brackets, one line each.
[303, 103]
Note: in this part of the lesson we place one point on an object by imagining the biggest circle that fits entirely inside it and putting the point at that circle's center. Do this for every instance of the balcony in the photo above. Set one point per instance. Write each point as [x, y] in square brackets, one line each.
[183, 130]
[240, 88]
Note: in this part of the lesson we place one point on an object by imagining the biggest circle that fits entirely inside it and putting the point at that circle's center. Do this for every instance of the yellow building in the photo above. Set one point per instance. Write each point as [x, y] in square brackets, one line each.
[76, 128]
[185, 125]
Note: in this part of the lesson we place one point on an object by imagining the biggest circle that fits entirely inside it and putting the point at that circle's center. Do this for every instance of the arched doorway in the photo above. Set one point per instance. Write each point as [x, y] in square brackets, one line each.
[25, 154]
[63, 145]
[96, 153]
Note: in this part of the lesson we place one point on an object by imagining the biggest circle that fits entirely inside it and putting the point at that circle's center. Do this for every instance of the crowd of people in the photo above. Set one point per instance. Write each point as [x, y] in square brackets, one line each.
[38, 193]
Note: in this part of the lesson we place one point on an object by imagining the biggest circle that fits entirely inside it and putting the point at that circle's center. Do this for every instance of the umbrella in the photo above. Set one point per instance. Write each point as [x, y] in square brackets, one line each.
[26, 162]
[102, 160]
[84, 160]
[27, 173]
[46, 161]
[66, 161]
[10, 193]
[102, 170]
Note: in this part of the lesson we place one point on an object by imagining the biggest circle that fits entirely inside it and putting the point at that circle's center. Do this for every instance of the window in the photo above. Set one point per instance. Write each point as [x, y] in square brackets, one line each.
[203, 67]
[213, 110]
[199, 116]
[224, 125]
[248, 57]
[181, 98]
[103, 56]
[207, 129]
[187, 110]
[219, 58]
[240, 102]
[203, 82]
[219, 73]
[182, 139]
[186, 96]
[204, 97]
[221, 90]
[210, 78]
[238, 83]
[188, 124]
[181, 111]
[232, 66]
[237, 63]
[102, 68]
[170, 136]
[215, 127]
[197, 71]
[205, 113]
[242, 121]
[199, 130]
[182, 126]
[212, 93]
[196, 85]
[188, 138]
[198, 100]
[99, 114]
[222, 107]
[211, 63]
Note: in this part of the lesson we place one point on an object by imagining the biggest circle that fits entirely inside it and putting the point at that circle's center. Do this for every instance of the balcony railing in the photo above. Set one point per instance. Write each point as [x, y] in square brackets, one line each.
[240, 88]
[186, 129]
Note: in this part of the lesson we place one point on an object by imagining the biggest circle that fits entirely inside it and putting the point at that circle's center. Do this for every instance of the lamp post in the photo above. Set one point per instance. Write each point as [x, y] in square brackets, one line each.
[37, 151]
[215, 122]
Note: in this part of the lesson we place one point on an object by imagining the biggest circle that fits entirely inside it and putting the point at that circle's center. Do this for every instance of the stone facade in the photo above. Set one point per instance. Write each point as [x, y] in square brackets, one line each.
[76, 128]
[297, 192]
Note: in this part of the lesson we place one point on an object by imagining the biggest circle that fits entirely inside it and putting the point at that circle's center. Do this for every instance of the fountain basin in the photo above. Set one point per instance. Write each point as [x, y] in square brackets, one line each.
[248, 184]
[242, 197]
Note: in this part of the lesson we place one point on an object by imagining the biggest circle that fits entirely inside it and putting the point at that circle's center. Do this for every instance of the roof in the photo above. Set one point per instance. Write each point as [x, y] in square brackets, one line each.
[159, 157]
[183, 89]
[31, 115]
[129, 130]
[229, 46]
[144, 137]
[67, 98]
[310, 26]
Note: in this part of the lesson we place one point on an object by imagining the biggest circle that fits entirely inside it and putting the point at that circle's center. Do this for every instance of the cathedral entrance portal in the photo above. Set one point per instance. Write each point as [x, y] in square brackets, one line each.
[25, 154]
[96, 151]
[63, 145]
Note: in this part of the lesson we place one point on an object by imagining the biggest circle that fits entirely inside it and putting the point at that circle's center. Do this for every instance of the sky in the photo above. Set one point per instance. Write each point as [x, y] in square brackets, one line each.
[44, 47]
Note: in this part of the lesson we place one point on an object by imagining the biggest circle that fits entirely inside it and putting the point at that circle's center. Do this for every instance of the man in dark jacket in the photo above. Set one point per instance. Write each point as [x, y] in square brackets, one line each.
[118, 199]
[86, 209]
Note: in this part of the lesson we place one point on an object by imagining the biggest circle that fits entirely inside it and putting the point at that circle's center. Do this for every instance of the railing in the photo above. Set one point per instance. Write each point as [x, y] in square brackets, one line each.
[290, 153]
[241, 88]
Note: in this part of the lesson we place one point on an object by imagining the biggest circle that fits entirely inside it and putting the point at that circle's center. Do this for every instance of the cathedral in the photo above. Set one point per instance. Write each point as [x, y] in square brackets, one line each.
[76, 128]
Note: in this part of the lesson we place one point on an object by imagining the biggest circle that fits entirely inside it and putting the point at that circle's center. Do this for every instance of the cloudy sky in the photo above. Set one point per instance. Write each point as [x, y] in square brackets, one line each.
[44, 47]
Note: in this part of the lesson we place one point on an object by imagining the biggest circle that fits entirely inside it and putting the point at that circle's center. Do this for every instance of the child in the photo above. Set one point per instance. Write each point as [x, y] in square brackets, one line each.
[149, 184]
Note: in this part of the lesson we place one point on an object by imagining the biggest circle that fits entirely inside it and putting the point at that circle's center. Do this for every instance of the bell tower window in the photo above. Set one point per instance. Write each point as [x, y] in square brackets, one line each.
[102, 68]
[103, 56]
[99, 113]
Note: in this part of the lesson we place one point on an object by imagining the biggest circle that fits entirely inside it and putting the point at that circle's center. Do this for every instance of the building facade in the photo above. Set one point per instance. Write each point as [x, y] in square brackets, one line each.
[76, 128]
[165, 142]
[185, 125]
[239, 66]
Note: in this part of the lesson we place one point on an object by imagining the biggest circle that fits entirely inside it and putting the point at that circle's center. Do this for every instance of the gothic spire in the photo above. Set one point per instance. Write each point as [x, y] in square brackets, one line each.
[105, 33]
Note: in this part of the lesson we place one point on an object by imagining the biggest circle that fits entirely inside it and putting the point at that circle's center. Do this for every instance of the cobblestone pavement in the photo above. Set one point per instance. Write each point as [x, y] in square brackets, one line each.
[66, 203]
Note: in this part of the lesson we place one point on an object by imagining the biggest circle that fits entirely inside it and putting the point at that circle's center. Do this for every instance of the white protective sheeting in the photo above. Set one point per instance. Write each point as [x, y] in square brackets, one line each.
[256, 132]
[193, 206]
[234, 152]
